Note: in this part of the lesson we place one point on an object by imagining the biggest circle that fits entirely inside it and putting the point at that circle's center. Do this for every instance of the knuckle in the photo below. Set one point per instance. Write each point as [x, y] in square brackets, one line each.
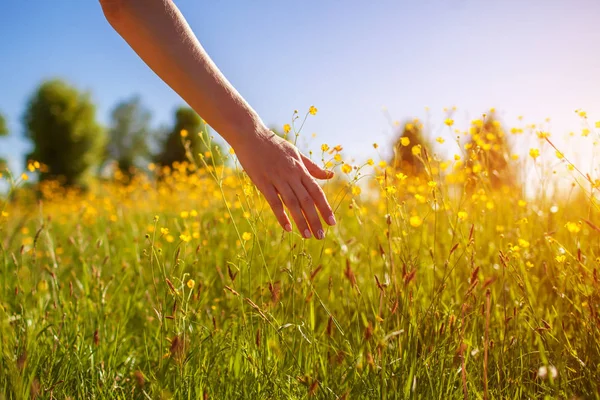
[292, 203]
[306, 200]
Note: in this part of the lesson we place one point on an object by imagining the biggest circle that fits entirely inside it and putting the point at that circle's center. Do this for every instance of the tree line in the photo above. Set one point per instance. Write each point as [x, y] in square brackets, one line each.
[71, 144]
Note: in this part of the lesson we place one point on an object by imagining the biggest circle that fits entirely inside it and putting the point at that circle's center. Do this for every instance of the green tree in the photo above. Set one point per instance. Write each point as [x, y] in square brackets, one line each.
[3, 132]
[61, 122]
[403, 159]
[129, 134]
[195, 132]
[3, 127]
[488, 160]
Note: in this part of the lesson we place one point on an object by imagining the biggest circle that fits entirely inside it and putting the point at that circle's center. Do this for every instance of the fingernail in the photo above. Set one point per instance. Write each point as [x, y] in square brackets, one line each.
[307, 234]
[288, 227]
[331, 220]
[320, 234]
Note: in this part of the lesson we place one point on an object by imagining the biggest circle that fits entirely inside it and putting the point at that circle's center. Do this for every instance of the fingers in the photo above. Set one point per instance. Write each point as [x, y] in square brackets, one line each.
[314, 169]
[307, 204]
[275, 202]
[294, 204]
[319, 199]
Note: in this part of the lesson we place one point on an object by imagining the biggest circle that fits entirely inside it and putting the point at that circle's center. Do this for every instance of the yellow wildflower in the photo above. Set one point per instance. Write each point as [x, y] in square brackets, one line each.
[534, 153]
[573, 227]
[415, 221]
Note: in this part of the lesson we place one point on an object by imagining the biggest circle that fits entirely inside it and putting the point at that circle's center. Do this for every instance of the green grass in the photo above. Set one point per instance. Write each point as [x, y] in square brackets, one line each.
[95, 302]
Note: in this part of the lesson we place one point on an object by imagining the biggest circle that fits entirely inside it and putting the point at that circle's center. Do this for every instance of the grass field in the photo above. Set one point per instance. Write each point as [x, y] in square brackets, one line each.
[185, 287]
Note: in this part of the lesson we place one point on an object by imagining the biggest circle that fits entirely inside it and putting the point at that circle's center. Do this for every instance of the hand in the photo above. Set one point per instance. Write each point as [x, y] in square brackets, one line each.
[281, 172]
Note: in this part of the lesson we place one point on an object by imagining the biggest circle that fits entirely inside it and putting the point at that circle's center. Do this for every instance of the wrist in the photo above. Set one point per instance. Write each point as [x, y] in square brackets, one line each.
[245, 132]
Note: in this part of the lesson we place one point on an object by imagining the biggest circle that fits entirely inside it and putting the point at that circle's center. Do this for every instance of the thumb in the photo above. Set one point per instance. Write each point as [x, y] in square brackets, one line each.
[315, 170]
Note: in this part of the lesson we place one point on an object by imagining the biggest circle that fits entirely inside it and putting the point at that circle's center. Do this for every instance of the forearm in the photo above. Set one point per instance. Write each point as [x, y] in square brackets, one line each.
[158, 33]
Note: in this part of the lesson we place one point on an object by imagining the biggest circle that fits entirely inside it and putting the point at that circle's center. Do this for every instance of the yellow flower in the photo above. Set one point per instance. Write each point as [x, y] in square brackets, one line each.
[42, 286]
[573, 227]
[382, 164]
[346, 168]
[313, 110]
[440, 140]
[375, 145]
[597, 124]
[370, 161]
[559, 155]
[561, 259]
[582, 114]
[4, 214]
[337, 157]
[356, 190]
[164, 231]
[246, 236]
[534, 153]
[405, 141]
[170, 238]
[462, 215]
[522, 203]
[184, 214]
[543, 135]
[449, 121]
[193, 213]
[523, 243]
[456, 157]
[183, 133]
[390, 189]
[287, 128]
[324, 147]
[432, 184]
[24, 176]
[191, 283]
[585, 131]
[185, 238]
[401, 176]
[416, 150]
[415, 221]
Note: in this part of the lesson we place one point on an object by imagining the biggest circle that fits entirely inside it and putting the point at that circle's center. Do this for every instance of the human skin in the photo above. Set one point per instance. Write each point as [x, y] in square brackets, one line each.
[157, 31]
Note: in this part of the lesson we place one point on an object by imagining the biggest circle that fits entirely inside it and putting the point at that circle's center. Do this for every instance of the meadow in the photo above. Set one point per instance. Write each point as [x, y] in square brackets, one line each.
[181, 284]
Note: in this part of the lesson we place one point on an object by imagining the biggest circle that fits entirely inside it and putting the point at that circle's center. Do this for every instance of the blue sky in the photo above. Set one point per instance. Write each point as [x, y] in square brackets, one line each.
[537, 58]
